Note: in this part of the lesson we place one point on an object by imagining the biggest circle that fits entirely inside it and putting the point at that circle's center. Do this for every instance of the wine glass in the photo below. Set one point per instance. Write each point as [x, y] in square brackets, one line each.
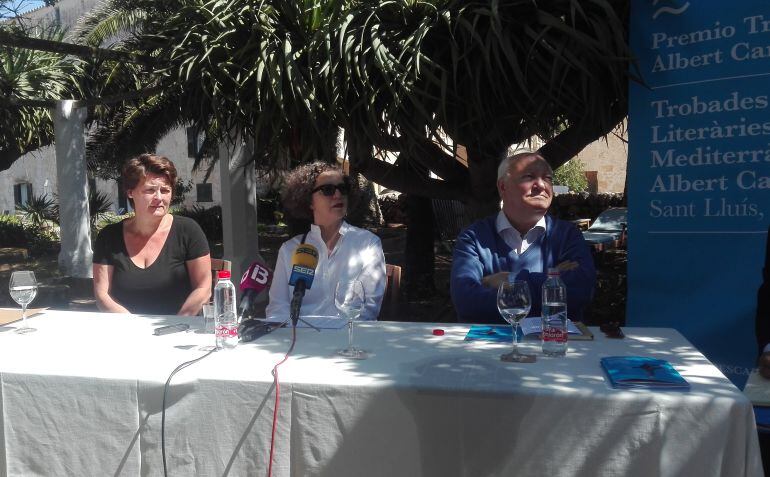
[514, 302]
[350, 298]
[23, 288]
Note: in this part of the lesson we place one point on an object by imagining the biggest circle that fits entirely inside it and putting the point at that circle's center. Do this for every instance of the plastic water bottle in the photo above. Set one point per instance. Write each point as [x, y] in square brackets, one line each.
[554, 315]
[226, 318]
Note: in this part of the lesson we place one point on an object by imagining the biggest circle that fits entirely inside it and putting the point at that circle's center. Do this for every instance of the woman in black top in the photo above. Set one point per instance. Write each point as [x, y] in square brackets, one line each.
[154, 262]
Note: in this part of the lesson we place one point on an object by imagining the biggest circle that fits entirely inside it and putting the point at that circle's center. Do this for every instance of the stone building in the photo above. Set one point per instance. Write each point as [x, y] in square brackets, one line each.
[605, 164]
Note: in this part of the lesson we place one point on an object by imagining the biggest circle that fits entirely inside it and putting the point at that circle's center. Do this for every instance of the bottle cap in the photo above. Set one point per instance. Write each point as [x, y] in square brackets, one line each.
[438, 332]
[553, 271]
[223, 274]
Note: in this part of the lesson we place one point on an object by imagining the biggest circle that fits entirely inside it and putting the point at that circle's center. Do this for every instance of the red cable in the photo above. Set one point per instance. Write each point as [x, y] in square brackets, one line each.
[277, 397]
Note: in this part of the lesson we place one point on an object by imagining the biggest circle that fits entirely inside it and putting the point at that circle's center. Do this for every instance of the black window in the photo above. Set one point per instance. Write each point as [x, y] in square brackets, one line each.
[123, 205]
[194, 142]
[22, 193]
[203, 192]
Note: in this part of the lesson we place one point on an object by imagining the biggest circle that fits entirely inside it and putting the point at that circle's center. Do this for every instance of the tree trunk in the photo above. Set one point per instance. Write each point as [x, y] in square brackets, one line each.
[365, 210]
[482, 167]
[419, 272]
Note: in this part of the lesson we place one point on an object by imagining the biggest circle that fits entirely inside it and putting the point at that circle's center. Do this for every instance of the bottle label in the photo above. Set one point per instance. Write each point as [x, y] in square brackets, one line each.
[227, 330]
[556, 335]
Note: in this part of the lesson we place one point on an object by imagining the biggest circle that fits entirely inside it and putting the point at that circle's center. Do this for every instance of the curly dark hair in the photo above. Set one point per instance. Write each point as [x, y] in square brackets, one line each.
[297, 193]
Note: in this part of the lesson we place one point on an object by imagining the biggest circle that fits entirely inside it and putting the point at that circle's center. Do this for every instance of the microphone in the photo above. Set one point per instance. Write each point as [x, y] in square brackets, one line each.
[254, 282]
[303, 264]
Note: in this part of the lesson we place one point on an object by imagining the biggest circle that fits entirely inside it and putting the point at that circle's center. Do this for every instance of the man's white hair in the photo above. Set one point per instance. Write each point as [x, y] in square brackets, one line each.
[505, 164]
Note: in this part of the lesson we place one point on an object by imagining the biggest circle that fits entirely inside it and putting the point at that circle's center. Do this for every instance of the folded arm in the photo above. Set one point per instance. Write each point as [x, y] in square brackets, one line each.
[577, 271]
[474, 301]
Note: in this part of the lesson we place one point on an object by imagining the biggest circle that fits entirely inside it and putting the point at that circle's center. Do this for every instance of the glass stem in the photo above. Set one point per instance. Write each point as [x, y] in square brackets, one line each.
[350, 334]
[515, 327]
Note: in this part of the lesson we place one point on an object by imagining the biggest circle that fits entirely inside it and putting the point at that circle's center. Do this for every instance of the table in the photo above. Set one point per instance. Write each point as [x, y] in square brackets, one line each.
[82, 396]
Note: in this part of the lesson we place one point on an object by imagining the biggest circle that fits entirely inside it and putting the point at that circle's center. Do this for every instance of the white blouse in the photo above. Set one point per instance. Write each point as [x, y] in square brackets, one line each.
[358, 254]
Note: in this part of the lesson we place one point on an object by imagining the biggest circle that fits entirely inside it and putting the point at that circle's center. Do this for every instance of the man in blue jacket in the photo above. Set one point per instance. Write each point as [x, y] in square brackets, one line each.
[522, 240]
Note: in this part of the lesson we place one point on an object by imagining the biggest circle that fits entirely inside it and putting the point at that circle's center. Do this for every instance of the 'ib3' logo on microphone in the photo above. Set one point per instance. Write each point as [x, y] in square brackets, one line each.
[259, 274]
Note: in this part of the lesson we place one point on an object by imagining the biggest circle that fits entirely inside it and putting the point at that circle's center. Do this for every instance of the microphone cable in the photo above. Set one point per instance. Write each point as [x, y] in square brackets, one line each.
[277, 384]
[163, 412]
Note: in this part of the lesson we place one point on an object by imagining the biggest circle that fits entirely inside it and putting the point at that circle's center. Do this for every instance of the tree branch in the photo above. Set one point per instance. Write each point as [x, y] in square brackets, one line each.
[574, 139]
[427, 153]
[8, 157]
[80, 103]
[87, 52]
[434, 158]
[398, 177]
[392, 177]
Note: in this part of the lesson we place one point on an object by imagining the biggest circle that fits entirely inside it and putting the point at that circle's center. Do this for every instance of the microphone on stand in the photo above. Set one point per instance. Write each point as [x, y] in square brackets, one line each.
[254, 282]
[303, 264]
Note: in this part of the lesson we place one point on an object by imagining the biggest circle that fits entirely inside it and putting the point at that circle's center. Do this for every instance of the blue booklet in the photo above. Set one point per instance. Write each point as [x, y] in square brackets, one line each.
[528, 326]
[642, 372]
[502, 334]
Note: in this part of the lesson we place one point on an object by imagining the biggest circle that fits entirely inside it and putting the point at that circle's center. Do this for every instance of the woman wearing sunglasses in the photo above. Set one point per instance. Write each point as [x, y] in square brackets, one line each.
[319, 192]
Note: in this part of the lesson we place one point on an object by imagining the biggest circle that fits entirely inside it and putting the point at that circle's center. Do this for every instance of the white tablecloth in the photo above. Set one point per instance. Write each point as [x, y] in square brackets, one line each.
[82, 396]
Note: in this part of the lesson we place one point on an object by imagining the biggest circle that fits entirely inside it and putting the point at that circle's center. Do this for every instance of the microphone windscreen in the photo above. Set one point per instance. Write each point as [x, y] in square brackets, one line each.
[303, 264]
[257, 277]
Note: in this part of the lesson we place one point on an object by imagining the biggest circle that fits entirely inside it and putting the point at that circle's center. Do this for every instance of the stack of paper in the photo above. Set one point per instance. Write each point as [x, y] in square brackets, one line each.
[642, 372]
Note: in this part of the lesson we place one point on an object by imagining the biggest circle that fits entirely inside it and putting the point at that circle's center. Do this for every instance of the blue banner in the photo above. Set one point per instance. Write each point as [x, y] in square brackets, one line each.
[699, 172]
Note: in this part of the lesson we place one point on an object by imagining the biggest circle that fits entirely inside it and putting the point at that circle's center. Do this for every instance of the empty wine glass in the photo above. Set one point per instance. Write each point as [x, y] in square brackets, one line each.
[23, 288]
[514, 302]
[350, 298]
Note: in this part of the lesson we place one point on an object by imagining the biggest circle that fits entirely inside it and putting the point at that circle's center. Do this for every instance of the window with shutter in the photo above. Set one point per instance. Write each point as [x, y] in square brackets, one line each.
[22, 193]
[203, 192]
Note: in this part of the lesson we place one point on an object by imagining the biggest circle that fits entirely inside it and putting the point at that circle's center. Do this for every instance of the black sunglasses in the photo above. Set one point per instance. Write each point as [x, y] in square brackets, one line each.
[328, 189]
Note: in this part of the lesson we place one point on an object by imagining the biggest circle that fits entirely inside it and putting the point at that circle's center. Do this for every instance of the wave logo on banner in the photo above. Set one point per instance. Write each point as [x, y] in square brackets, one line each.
[667, 9]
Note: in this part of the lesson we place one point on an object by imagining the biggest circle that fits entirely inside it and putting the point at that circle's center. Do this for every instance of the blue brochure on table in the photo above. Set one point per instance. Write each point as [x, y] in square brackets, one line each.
[642, 372]
[503, 334]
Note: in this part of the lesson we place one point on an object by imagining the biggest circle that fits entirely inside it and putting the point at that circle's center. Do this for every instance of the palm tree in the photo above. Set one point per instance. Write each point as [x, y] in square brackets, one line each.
[417, 77]
[225, 66]
[29, 81]
[484, 74]
[39, 211]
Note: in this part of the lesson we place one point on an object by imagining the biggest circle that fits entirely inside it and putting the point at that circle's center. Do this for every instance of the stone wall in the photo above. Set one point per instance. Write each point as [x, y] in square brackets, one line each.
[608, 159]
